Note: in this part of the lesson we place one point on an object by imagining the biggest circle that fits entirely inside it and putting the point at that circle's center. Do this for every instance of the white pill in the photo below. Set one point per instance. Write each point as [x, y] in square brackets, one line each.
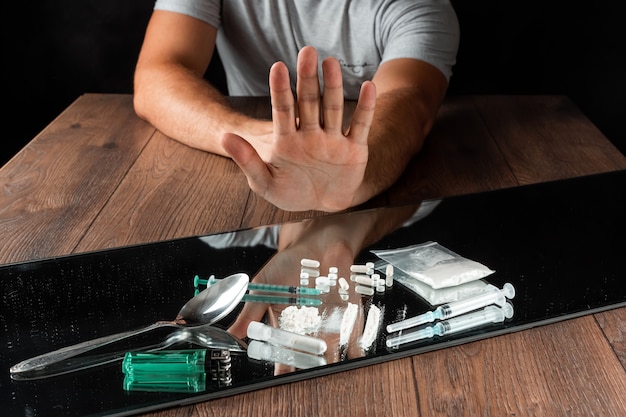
[370, 265]
[333, 270]
[344, 297]
[364, 280]
[304, 282]
[322, 280]
[362, 289]
[389, 270]
[361, 269]
[375, 277]
[311, 271]
[380, 288]
[389, 281]
[343, 283]
[309, 263]
[323, 288]
[304, 275]
[352, 277]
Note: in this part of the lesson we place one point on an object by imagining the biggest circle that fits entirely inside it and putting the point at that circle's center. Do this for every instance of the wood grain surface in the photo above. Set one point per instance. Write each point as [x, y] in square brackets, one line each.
[99, 177]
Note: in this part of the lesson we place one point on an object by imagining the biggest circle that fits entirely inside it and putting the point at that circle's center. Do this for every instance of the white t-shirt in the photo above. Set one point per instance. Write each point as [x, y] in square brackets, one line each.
[361, 34]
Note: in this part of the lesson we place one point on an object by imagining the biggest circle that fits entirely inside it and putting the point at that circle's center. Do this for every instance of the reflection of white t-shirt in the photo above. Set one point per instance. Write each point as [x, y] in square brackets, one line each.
[268, 236]
[361, 34]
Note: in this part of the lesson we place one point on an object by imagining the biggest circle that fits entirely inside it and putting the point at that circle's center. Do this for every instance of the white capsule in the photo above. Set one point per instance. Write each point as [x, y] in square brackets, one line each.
[343, 284]
[380, 288]
[364, 280]
[311, 271]
[362, 289]
[309, 263]
[333, 270]
[389, 270]
[369, 265]
[304, 282]
[361, 269]
[353, 277]
[375, 278]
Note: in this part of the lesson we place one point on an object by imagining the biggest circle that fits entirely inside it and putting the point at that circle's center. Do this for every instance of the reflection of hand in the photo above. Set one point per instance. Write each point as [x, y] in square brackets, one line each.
[309, 163]
[334, 241]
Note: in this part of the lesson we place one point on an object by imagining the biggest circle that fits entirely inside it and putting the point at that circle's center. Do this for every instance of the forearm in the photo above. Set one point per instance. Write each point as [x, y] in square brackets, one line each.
[402, 120]
[185, 107]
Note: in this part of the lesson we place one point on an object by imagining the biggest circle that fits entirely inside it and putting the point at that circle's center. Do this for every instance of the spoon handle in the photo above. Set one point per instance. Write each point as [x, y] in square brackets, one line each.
[41, 361]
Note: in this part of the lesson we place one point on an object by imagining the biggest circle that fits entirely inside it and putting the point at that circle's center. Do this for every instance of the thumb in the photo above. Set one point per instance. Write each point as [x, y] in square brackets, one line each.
[248, 160]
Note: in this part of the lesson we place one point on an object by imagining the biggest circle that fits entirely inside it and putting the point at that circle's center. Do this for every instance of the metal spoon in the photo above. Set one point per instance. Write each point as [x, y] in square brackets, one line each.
[208, 307]
[204, 335]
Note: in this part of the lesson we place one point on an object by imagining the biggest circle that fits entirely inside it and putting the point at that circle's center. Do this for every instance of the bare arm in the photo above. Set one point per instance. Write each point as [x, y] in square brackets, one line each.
[409, 94]
[170, 91]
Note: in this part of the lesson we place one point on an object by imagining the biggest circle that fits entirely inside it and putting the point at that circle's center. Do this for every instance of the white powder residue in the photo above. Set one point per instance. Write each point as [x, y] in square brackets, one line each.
[371, 327]
[347, 323]
[301, 320]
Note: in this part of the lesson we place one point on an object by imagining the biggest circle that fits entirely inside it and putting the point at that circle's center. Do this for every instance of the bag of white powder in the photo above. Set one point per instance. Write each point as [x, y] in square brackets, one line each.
[434, 265]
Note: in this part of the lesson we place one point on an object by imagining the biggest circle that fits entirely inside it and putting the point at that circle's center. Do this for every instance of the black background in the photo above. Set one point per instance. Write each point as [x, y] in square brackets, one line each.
[54, 51]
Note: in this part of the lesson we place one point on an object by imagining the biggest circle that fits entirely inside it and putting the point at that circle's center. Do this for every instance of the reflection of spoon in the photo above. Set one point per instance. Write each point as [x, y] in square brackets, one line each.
[210, 306]
[204, 336]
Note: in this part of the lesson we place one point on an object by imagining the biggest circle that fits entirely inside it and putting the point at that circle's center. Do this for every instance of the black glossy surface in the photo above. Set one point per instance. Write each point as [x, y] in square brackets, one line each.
[560, 244]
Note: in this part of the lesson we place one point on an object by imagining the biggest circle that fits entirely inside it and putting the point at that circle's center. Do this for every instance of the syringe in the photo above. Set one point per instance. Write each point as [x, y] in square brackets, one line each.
[254, 286]
[491, 295]
[489, 314]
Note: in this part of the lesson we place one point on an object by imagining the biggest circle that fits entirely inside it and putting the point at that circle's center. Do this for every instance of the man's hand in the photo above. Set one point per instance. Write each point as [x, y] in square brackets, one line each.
[309, 163]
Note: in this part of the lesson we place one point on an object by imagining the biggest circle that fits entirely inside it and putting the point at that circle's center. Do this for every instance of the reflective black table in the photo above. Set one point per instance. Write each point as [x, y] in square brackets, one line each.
[558, 243]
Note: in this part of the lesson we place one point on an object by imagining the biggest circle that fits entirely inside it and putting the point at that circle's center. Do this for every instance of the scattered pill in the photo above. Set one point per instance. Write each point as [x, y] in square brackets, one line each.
[369, 265]
[311, 271]
[322, 280]
[309, 263]
[389, 270]
[361, 269]
[389, 274]
[304, 282]
[364, 280]
[333, 270]
[363, 290]
[343, 283]
[323, 288]
[380, 288]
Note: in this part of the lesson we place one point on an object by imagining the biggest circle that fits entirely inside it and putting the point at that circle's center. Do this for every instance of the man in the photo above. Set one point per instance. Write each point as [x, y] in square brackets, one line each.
[301, 159]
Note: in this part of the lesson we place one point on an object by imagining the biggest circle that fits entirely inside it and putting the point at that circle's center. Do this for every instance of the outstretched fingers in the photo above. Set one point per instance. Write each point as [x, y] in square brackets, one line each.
[364, 113]
[333, 99]
[308, 89]
[283, 106]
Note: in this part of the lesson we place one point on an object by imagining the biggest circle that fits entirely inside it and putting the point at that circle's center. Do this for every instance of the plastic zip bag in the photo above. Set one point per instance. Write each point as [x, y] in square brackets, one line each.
[434, 265]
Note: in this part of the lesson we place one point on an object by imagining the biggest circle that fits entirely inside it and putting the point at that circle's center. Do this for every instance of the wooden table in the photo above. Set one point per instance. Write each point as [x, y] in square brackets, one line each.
[99, 177]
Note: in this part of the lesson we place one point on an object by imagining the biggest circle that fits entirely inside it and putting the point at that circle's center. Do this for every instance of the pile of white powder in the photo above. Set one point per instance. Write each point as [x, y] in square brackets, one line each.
[301, 320]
